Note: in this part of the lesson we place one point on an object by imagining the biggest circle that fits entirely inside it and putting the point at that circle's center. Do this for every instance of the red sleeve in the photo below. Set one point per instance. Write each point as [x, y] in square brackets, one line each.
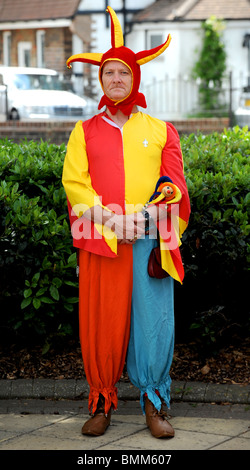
[172, 166]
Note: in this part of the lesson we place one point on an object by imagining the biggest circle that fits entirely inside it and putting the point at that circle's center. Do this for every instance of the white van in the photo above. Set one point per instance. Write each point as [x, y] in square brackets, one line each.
[29, 93]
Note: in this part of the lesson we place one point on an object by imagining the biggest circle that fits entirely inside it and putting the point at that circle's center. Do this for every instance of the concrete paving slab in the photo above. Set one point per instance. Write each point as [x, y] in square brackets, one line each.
[234, 444]
[72, 427]
[25, 424]
[42, 443]
[126, 432]
[183, 440]
[214, 426]
[39, 433]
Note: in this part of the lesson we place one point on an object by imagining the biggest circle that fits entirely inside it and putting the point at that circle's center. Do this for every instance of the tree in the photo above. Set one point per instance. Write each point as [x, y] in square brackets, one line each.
[211, 64]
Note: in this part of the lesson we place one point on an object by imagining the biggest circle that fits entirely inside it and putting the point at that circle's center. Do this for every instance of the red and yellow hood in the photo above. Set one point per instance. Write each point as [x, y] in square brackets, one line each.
[132, 60]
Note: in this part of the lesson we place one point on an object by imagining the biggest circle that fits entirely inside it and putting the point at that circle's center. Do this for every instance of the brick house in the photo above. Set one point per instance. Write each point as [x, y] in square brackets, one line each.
[146, 23]
[46, 32]
[183, 19]
[36, 33]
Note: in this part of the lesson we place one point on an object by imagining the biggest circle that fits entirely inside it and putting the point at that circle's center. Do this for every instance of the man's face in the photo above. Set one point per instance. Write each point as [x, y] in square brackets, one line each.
[116, 80]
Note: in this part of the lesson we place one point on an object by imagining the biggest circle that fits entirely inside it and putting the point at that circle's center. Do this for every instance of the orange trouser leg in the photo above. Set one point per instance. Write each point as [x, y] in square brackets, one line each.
[105, 291]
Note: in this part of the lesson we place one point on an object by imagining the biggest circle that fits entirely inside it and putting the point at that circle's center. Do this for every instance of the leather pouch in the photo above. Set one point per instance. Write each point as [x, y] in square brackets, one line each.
[154, 264]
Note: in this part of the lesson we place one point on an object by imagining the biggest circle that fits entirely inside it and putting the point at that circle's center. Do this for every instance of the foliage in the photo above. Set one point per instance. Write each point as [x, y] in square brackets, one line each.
[39, 288]
[215, 245]
[39, 292]
[211, 65]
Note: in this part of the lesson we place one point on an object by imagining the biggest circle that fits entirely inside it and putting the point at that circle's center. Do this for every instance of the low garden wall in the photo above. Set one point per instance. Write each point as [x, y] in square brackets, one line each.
[58, 132]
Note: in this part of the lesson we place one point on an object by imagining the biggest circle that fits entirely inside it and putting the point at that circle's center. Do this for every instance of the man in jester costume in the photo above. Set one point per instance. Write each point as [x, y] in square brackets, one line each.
[123, 172]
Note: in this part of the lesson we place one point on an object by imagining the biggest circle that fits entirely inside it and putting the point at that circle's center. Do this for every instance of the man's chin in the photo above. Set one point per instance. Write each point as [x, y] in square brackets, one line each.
[117, 96]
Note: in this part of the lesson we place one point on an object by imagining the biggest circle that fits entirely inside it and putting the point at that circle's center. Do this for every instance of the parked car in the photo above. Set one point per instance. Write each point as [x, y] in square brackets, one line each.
[36, 93]
[242, 114]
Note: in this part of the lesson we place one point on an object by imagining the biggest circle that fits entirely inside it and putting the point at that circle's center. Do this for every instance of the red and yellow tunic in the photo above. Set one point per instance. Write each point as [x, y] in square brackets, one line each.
[118, 169]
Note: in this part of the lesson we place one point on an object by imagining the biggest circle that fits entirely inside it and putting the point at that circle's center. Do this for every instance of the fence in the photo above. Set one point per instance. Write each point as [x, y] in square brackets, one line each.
[179, 97]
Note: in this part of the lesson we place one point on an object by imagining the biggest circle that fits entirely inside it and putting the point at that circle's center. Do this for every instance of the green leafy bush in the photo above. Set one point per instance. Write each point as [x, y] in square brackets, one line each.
[39, 292]
[215, 245]
[39, 288]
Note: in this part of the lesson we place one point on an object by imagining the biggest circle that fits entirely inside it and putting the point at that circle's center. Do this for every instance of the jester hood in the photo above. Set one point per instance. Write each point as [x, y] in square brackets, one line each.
[125, 55]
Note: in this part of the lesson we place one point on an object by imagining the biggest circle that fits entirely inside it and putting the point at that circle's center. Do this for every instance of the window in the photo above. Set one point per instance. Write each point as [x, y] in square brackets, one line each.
[155, 40]
[25, 81]
[40, 44]
[7, 48]
[24, 54]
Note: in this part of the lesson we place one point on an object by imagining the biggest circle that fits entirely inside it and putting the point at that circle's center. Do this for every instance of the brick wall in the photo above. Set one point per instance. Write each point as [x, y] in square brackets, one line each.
[58, 47]
[204, 125]
[58, 132]
[54, 131]
[26, 35]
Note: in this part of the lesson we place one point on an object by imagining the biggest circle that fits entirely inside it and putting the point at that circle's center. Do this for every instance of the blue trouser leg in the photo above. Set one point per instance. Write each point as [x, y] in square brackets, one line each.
[151, 345]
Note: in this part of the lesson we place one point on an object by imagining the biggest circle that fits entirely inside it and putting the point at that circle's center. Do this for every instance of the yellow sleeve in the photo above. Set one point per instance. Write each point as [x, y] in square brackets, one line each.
[76, 178]
[77, 182]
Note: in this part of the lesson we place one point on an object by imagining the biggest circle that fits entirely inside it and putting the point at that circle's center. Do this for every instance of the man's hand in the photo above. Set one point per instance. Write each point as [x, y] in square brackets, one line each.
[128, 228]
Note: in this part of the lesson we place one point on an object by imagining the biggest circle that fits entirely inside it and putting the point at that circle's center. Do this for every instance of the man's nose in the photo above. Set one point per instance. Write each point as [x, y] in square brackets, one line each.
[117, 77]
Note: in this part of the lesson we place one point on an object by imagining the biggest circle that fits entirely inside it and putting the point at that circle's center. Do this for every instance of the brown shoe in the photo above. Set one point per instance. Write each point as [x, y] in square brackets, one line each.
[97, 424]
[157, 421]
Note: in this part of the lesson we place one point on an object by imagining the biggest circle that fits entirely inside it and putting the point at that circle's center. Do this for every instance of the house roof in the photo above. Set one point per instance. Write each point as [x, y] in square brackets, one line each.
[225, 9]
[187, 10]
[28, 10]
[160, 10]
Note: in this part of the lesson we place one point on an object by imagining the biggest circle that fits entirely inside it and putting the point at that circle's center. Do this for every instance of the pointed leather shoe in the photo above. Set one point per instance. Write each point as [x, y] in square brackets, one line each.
[97, 424]
[157, 421]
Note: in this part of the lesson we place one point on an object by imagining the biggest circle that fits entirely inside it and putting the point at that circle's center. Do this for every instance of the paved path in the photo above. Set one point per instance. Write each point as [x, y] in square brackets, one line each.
[56, 425]
[204, 418]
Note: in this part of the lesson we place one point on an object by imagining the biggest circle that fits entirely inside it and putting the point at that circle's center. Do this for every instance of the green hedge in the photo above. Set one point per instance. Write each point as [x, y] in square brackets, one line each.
[39, 288]
[215, 246]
